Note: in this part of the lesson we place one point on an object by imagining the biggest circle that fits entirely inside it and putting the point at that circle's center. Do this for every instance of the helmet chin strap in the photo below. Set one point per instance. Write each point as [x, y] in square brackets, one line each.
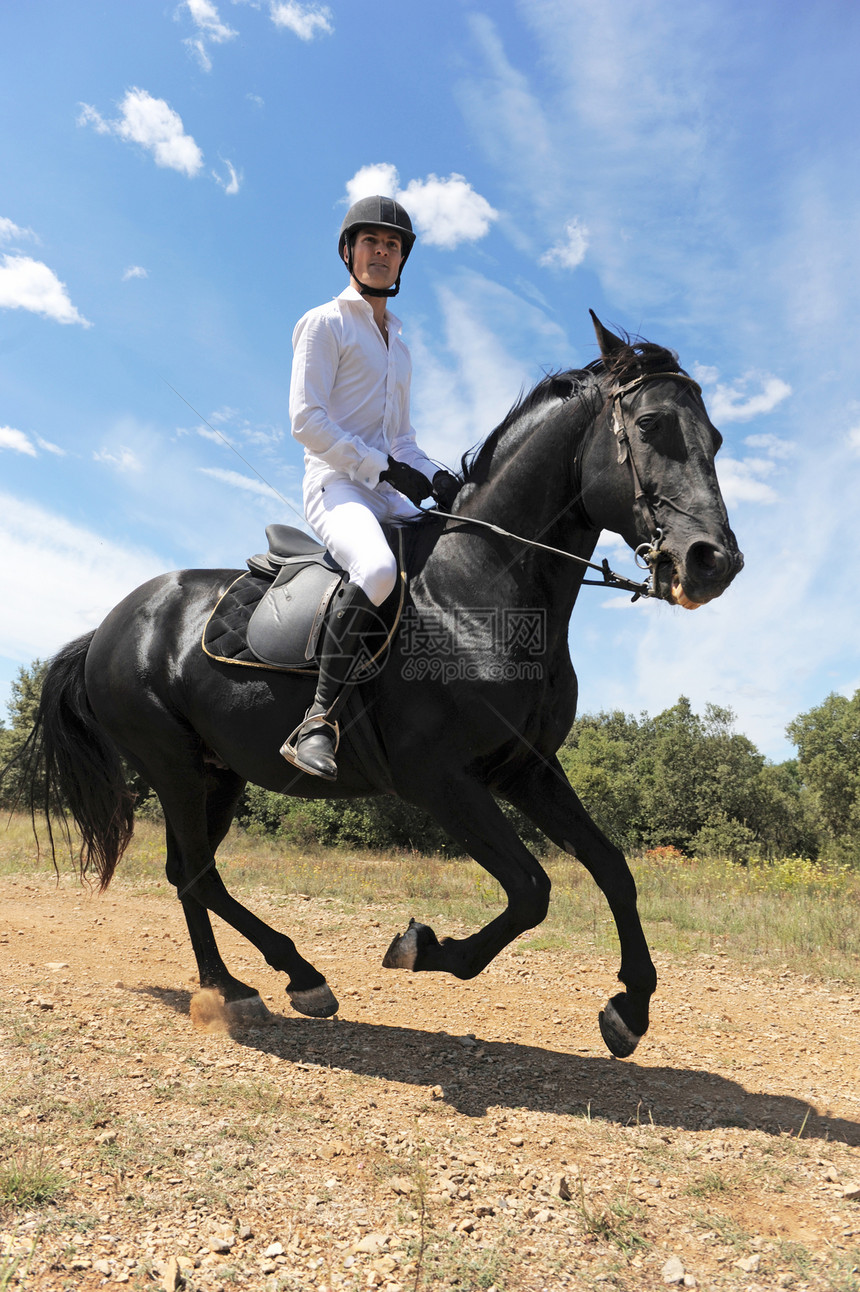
[379, 291]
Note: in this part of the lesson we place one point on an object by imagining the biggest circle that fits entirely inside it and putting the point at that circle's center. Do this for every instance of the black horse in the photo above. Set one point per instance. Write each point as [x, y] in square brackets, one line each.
[477, 695]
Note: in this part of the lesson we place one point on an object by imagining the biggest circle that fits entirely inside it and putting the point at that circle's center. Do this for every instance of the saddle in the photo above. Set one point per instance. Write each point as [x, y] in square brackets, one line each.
[273, 616]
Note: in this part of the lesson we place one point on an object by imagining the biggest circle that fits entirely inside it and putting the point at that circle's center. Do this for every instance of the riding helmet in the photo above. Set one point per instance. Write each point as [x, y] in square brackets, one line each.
[382, 212]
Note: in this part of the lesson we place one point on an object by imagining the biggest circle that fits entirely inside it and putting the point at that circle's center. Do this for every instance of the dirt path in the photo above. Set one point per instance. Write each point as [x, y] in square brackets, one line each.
[435, 1135]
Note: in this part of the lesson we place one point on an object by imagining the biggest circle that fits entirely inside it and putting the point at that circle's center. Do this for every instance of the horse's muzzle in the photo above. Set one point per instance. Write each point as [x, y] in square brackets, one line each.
[700, 575]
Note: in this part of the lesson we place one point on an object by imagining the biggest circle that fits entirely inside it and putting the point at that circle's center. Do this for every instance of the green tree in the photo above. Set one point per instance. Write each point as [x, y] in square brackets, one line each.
[24, 701]
[384, 821]
[788, 821]
[827, 739]
[381, 822]
[686, 781]
[601, 759]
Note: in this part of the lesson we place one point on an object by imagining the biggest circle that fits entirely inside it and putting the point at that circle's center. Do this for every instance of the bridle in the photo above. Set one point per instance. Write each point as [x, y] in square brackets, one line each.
[646, 555]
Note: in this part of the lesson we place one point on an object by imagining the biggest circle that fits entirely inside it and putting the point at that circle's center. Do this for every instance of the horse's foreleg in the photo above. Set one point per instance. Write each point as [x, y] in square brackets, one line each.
[473, 819]
[545, 795]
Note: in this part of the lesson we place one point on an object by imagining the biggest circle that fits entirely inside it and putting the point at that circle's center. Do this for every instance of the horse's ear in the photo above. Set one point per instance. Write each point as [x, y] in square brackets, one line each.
[607, 340]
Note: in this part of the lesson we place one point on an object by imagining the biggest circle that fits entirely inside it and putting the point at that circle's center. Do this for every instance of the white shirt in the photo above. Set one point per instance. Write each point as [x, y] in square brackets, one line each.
[349, 394]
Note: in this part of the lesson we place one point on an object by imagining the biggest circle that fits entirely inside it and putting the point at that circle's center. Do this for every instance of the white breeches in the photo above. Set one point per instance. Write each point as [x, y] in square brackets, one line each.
[346, 517]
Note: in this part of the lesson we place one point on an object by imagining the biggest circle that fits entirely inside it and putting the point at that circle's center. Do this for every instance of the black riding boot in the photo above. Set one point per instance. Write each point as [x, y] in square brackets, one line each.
[312, 746]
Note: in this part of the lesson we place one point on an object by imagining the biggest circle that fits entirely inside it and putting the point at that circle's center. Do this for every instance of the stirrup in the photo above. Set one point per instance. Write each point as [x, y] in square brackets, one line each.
[290, 751]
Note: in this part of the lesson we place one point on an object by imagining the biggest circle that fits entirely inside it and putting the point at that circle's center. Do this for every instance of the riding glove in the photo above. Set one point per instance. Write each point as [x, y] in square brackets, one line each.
[445, 489]
[413, 484]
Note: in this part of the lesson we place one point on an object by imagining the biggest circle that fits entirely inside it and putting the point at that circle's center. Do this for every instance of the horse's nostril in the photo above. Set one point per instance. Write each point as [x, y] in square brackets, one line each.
[708, 560]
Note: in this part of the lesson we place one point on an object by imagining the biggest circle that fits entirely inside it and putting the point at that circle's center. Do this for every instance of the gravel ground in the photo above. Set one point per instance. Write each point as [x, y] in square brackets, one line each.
[434, 1135]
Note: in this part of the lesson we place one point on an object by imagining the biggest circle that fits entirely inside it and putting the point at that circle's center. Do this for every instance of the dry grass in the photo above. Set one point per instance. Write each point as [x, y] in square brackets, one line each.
[790, 913]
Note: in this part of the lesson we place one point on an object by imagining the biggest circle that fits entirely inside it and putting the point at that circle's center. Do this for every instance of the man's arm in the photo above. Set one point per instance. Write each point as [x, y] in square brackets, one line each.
[316, 355]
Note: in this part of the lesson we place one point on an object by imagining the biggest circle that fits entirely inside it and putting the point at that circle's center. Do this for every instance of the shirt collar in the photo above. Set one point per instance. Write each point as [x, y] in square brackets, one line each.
[350, 294]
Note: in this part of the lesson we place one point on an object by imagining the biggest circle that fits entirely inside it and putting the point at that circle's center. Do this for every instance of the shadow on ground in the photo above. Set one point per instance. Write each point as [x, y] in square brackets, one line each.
[479, 1075]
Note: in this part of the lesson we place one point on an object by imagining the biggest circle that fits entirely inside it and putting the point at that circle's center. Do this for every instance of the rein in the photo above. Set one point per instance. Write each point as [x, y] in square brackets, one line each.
[646, 555]
[610, 578]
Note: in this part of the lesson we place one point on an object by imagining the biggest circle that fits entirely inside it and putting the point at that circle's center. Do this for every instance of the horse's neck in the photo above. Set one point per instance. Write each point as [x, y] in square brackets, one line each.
[530, 494]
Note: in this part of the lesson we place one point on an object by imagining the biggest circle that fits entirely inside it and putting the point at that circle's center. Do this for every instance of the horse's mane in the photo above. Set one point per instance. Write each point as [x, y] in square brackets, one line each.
[631, 359]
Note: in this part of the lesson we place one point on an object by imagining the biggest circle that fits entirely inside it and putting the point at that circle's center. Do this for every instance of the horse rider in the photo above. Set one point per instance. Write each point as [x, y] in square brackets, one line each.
[349, 408]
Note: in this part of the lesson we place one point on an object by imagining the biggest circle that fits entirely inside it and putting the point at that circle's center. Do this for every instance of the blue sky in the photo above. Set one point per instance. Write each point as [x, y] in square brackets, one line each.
[172, 180]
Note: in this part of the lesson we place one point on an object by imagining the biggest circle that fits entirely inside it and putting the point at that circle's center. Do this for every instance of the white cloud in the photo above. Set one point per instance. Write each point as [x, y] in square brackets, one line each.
[465, 383]
[742, 481]
[590, 128]
[239, 430]
[154, 125]
[752, 395]
[739, 403]
[11, 232]
[445, 212]
[17, 441]
[569, 253]
[48, 447]
[124, 459]
[304, 21]
[225, 414]
[853, 438]
[205, 434]
[61, 578]
[381, 178]
[135, 271]
[514, 128]
[210, 30]
[27, 284]
[90, 116]
[231, 185]
[237, 481]
[772, 444]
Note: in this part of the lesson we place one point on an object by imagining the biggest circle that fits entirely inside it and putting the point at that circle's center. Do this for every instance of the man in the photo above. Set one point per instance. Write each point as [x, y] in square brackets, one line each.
[349, 407]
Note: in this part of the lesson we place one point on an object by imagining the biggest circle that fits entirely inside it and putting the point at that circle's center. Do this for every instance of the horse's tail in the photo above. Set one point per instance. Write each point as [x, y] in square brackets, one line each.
[73, 765]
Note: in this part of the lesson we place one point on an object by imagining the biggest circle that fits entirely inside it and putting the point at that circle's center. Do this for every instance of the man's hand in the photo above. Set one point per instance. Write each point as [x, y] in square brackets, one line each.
[445, 489]
[413, 484]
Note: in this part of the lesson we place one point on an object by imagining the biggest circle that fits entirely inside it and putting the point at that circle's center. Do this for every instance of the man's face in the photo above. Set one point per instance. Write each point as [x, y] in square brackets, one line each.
[377, 255]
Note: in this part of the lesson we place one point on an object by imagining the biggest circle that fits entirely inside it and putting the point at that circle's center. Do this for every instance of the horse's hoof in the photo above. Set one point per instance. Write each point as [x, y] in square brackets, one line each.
[250, 1009]
[615, 1032]
[407, 947]
[317, 1002]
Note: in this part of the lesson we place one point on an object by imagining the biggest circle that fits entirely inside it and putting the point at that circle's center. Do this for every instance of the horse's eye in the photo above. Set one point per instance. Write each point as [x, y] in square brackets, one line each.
[649, 422]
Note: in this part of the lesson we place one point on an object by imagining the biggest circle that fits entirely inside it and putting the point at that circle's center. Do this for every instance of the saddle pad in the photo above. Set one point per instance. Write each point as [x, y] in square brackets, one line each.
[225, 634]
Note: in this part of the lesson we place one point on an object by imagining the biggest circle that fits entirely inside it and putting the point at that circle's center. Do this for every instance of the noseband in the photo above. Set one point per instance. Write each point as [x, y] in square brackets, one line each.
[646, 554]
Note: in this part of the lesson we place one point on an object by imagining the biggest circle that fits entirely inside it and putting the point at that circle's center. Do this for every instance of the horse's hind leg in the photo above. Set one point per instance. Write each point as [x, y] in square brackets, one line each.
[194, 823]
[243, 1002]
[545, 795]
